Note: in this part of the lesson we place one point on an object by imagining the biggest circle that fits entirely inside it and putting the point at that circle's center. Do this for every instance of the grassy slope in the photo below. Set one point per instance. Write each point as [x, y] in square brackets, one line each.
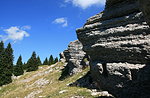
[44, 83]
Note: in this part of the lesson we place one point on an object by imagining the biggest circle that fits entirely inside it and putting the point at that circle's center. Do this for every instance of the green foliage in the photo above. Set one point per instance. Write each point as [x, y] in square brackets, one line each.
[19, 61]
[39, 61]
[18, 69]
[56, 60]
[45, 61]
[51, 60]
[1, 46]
[6, 64]
[32, 63]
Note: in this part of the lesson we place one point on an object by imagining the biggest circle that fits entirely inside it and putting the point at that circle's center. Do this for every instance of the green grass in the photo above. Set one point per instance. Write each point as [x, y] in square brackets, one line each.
[25, 85]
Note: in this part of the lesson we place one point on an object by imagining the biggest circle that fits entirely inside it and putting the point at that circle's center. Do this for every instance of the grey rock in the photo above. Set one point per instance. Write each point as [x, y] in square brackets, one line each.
[115, 75]
[122, 39]
[74, 57]
[62, 57]
[118, 43]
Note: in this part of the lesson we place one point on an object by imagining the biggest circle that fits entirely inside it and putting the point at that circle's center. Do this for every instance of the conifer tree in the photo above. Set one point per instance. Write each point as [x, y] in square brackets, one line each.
[39, 61]
[2, 55]
[45, 61]
[1, 47]
[18, 69]
[32, 64]
[24, 67]
[9, 62]
[56, 60]
[51, 60]
[6, 63]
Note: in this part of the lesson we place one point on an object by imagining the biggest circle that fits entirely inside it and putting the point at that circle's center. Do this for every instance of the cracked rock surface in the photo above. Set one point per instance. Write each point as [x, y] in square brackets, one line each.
[118, 43]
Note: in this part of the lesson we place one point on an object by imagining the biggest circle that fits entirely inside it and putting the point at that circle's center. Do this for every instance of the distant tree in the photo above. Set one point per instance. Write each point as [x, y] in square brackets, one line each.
[18, 69]
[32, 64]
[51, 60]
[6, 63]
[39, 61]
[2, 56]
[9, 62]
[24, 67]
[45, 61]
[1, 47]
[56, 60]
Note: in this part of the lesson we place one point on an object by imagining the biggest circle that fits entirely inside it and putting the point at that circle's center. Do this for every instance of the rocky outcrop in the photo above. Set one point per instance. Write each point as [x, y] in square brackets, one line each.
[145, 8]
[118, 43]
[62, 57]
[75, 58]
[119, 34]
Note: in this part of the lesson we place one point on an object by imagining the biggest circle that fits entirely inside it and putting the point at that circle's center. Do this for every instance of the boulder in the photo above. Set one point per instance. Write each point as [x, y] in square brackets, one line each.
[62, 57]
[75, 58]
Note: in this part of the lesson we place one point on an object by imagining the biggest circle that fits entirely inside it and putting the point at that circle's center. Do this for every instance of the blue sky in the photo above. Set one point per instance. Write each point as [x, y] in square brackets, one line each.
[44, 26]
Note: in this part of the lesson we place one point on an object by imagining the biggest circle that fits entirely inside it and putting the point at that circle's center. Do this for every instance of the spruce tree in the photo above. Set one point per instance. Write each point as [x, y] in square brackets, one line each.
[6, 63]
[10, 59]
[1, 47]
[2, 55]
[51, 60]
[56, 60]
[18, 69]
[32, 64]
[24, 66]
[45, 61]
[39, 61]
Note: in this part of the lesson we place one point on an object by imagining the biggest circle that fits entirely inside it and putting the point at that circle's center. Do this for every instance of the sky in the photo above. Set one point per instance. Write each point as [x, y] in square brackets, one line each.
[43, 26]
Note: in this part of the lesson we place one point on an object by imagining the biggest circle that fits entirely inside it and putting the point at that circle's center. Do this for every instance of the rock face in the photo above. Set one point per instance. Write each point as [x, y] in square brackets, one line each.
[118, 43]
[119, 34]
[75, 58]
[145, 8]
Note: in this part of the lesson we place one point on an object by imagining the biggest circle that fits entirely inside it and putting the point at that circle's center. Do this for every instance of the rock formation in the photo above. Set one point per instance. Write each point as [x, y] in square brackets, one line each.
[118, 43]
[145, 8]
[75, 58]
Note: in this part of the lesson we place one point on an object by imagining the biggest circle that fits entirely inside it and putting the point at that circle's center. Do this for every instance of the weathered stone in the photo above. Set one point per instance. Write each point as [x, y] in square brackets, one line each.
[145, 8]
[121, 39]
[74, 57]
[115, 75]
[118, 43]
[62, 57]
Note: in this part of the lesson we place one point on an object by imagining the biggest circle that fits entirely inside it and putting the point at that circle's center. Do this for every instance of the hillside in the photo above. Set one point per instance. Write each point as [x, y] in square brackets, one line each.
[44, 83]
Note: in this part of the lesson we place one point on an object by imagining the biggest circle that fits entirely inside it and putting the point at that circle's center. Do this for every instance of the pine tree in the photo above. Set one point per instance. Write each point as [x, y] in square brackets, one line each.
[18, 69]
[2, 55]
[32, 64]
[6, 63]
[56, 60]
[1, 47]
[39, 61]
[51, 60]
[9, 62]
[45, 61]
[24, 67]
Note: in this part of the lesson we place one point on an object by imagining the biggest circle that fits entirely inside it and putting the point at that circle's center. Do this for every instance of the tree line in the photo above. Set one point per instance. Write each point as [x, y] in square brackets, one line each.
[7, 68]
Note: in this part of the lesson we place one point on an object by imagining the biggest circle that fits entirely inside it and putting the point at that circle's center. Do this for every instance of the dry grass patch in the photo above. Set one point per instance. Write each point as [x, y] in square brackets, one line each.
[44, 83]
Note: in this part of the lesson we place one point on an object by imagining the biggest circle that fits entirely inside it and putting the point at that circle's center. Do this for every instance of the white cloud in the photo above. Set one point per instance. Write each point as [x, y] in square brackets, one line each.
[27, 27]
[63, 21]
[86, 3]
[15, 33]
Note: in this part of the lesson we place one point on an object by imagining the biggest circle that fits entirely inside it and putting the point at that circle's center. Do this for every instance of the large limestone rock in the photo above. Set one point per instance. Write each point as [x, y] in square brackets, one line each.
[118, 43]
[74, 57]
[119, 34]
